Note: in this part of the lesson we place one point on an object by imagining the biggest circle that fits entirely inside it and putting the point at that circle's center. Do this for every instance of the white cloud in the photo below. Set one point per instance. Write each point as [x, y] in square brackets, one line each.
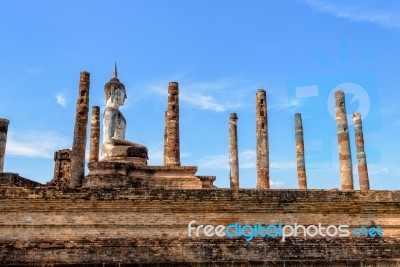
[283, 165]
[276, 184]
[214, 162]
[358, 11]
[156, 154]
[281, 102]
[203, 101]
[247, 159]
[221, 161]
[321, 165]
[35, 144]
[217, 96]
[390, 109]
[185, 154]
[61, 100]
[377, 169]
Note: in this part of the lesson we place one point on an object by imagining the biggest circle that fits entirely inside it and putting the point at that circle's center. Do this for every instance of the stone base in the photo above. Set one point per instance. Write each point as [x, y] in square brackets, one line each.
[207, 181]
[134, 153]
[134, 160]
[114, 174]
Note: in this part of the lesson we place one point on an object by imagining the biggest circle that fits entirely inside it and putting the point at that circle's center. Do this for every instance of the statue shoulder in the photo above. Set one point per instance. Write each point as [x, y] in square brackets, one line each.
[111, 111]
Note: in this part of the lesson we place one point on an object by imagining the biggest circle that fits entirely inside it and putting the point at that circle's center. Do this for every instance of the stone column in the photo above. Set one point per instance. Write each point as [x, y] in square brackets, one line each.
[262, 147]
[81, 121]
[3, 141]
[95, 134]
[301, 166]
[165, 133]
[361, 157]
[346, 168]
[171, 140]
[233, 152]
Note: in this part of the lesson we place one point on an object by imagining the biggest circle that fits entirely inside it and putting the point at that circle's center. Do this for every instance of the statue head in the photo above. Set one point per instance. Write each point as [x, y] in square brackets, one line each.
[115, 90]
[118, 96]
[113, 85]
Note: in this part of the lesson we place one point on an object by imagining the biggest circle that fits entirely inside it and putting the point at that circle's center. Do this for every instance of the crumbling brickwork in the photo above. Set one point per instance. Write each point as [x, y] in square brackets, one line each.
[127, 226]
[14, 179]
[110, 175]
[62, 168]
[207, 181]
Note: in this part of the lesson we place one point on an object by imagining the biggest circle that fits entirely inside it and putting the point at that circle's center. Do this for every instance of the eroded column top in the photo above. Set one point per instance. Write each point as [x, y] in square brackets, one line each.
[297, 119]
[4, 124]
[234, 116]
[357, 117]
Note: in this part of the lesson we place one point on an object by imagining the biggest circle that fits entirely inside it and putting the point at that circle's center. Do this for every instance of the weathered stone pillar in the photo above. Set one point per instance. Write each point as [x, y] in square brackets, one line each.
[171, 140]
[165, 133]
[3, 141]
[233, 152]
[81, 121]
[95, 134]
[361, 157]
[346, 168]
[301, 166]
[262, 147]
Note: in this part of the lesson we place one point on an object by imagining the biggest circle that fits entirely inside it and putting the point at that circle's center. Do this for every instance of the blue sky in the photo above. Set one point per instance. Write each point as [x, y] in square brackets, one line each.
[220, 52]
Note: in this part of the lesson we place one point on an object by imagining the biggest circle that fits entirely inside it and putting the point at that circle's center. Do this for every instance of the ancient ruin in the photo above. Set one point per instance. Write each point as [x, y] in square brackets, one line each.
[300, 160]
[127, 213]
[62, 168]
[9, 178]
[346, 167]
[3, 141]
[233, 152]
[79, 144]
[262, 148]
[94, 134]
[124, 163]
[361, 157]
[171, 136]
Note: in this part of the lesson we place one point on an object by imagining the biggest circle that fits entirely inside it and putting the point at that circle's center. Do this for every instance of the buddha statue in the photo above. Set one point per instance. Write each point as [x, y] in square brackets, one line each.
[115, 147]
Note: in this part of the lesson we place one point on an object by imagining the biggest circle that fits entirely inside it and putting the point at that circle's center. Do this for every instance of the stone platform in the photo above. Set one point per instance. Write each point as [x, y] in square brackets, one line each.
[104, 174]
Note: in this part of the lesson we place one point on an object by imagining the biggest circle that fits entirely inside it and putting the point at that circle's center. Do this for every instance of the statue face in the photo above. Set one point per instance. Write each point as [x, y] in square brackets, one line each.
[119, 97]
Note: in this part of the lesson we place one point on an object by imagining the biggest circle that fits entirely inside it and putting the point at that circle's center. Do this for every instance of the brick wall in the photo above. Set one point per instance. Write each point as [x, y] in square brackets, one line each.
[125, 226]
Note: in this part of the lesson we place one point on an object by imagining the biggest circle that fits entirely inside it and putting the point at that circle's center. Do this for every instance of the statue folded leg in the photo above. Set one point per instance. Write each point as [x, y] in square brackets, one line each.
[124, 148]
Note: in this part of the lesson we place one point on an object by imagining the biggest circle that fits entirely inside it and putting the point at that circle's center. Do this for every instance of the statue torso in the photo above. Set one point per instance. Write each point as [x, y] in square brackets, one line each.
[114, 124]
[120, 125]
